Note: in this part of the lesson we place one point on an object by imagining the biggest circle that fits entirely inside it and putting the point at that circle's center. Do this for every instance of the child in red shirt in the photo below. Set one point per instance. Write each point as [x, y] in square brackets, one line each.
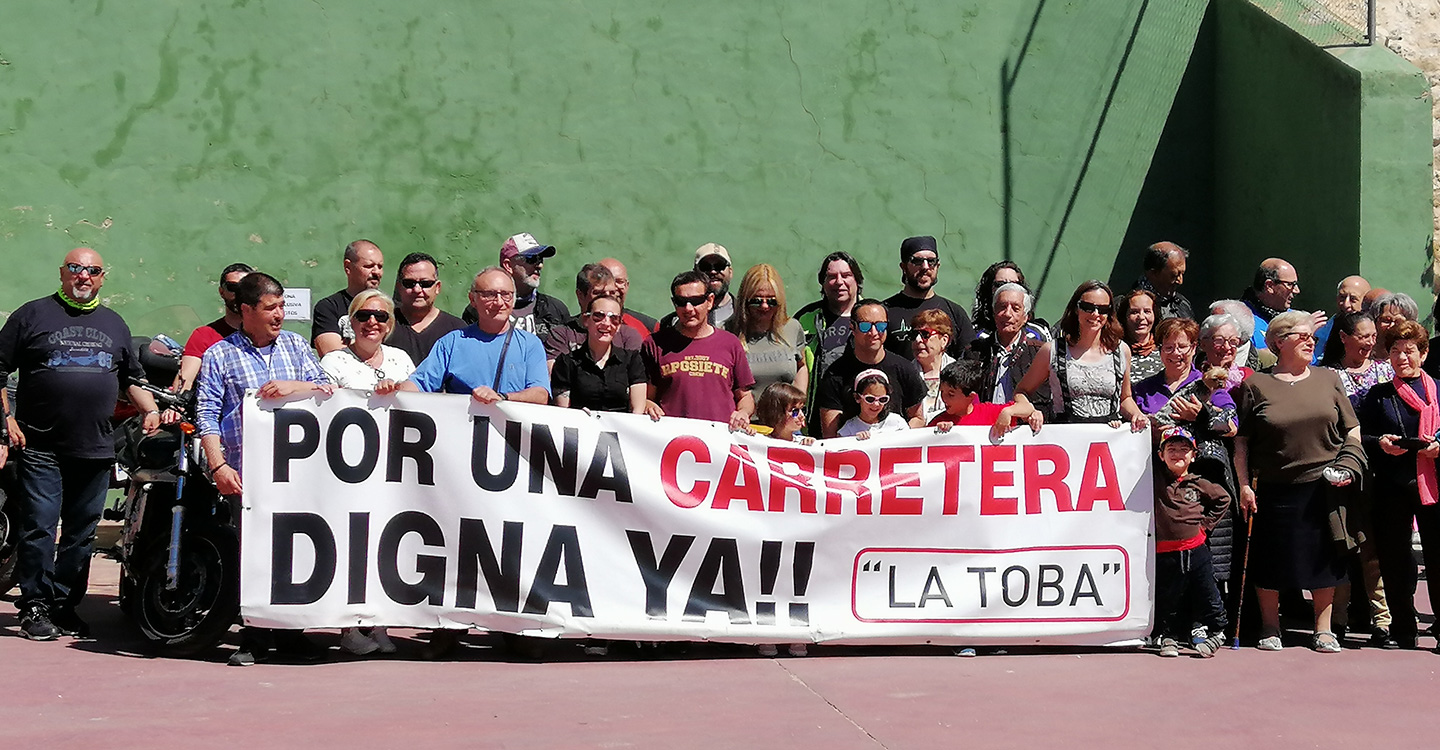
[1186, 507]
[958, 384]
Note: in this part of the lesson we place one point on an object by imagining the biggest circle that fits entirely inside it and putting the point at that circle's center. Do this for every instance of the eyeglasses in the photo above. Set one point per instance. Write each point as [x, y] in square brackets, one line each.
[365, 316]
[865, 326]
[78, 269]
[1092, 308]
[924, 334]
[1293, 285]
[1300, 336]
[1227, 343]
[928, 260]
[881, 400]
[422, 283]
[493, 294]
[682, 301]
[712, 266]
[599, 316]
[762, 302]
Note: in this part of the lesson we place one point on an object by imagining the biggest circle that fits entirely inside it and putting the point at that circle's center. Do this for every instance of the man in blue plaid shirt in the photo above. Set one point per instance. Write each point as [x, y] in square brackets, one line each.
[278, 364]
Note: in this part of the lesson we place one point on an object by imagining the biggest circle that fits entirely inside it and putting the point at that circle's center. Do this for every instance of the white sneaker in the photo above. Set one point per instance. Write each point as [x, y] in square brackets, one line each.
[797, 649]
[767, 649]
[357, 643]
[382, 640]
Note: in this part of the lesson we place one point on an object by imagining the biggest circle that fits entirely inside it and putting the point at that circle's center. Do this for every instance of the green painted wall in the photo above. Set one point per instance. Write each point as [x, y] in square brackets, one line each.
[176, 137]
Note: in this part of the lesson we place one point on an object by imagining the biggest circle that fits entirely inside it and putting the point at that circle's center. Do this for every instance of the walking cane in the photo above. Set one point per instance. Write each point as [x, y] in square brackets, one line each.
[1244, 569]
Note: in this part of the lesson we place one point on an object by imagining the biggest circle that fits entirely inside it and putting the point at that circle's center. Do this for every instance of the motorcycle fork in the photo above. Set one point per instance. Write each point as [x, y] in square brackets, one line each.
[177, 522]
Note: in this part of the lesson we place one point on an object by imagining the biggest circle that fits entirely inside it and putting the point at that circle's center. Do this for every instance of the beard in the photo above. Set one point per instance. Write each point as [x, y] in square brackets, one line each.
[82, 295]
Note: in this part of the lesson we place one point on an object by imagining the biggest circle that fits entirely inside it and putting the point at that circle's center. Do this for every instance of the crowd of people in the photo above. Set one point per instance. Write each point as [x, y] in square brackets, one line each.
[1291, 447]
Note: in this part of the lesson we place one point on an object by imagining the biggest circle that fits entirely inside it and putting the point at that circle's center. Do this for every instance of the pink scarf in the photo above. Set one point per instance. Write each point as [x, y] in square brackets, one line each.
[1429, 422]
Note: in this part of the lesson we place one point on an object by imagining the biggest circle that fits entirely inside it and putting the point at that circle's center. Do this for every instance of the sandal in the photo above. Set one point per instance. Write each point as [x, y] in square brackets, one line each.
[1325, 642]
[1270, 643]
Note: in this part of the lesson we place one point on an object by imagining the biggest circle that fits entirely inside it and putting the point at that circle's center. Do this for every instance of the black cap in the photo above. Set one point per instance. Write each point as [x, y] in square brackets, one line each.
[913, 245]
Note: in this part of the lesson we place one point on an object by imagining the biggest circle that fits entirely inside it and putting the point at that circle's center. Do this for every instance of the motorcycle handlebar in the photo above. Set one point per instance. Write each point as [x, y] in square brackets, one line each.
[167, 399]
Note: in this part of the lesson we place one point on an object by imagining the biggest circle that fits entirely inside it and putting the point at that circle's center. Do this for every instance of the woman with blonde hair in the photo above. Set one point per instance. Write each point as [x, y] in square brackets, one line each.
[774, 342]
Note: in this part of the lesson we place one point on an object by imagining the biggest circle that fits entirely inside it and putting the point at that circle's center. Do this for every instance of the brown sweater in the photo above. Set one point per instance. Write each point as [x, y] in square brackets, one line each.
[1185, 507]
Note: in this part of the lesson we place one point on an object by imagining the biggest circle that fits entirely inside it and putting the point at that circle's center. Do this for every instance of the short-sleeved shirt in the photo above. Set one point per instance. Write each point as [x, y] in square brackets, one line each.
[597, 388]
[572, 336]
[837, 390]
[537, 314]
[776, 359]
[902, 308]
[73, 364]
[331, 315]
[697, 378]
[418, 344]
[981, 414]
[467, 359]
[1294, 429]
[347, 371]
[206, 336]
[642, 323]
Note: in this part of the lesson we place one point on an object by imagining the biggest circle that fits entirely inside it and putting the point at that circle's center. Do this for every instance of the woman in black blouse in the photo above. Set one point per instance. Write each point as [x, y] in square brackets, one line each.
[1398, 422]
[598, 375]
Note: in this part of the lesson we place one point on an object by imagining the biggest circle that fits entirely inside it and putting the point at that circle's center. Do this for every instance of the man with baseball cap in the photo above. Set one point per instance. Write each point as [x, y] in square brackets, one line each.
[920, 270]
[535, 312]
[714, 261]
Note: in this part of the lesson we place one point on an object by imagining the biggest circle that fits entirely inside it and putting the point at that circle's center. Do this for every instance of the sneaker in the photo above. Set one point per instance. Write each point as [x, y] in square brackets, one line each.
[70, 623]
[797, 649]
[1325, 642]
[1270, 643]
[382, 640]
[1198, 635]
[1169, 648]
[36, 624]
[254, 647]
[1210, 645]
[767, 649]
[358, 643]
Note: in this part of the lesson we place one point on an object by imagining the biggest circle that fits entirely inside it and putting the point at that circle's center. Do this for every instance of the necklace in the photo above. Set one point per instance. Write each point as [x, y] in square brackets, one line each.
[379, 373]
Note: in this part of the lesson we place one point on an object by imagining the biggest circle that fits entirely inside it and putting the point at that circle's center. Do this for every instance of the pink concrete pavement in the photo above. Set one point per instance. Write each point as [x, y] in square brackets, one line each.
[114, 693]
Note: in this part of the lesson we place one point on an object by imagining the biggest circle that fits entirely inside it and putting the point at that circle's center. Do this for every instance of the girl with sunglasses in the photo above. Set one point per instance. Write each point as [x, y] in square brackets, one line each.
[1087, 365]
[780, 414]
[872, 393]
[774, 342]
[600, 376]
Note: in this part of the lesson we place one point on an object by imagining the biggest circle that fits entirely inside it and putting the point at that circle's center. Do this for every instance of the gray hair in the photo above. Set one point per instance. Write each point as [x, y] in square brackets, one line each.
[1011, 286]
[1216, 322]
[1398, 300]
[1243, 318]
[1284, 323]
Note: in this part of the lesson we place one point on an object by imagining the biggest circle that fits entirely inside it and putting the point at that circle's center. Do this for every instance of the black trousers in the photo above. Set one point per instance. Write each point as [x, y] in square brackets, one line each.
[1185, 591]
[1395, 511]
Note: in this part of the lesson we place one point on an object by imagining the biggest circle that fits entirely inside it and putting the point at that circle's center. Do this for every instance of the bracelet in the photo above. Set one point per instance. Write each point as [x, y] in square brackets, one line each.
[222, 465]
[152, 411]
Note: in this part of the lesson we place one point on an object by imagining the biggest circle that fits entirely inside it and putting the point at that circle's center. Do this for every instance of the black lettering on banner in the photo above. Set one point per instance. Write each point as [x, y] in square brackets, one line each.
[938, 592]
[1085, 587]
[1014, 601]
[346, 418]
[657, 577]
[431, 586]
[562, 546]
[285, 449]
[721, 561]
[359, 556]
[1043, 584]
[896, 603]
[477, 558]
[284, 528]
[980, 574]
[417, 451]
[480, 451]
[607, 454]
[563, 466]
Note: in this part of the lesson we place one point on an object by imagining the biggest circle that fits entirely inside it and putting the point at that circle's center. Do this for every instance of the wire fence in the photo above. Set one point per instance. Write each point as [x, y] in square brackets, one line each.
[1327, 23]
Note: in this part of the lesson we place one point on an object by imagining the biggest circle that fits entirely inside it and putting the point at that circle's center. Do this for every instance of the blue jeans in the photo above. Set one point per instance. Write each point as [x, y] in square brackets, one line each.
[64, 491]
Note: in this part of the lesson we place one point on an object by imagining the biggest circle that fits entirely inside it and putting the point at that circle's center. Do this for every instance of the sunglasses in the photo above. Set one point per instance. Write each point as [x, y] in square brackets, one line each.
[78, 269]
[422, 283]
[600, 316]
[926, 261]
[365, 316]
[1092, 308]
[712, 266]
[230, 286]
[762, 302]
[796, 413]
[680, 301]
[865, 326]
[924, 334]
[881, 400]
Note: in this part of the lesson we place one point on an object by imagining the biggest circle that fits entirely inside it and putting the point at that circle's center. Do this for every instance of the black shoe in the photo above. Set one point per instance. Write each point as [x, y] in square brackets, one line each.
[70, 623]
[293, 644]
[255, 646]
[36, 625]
[1383, 639]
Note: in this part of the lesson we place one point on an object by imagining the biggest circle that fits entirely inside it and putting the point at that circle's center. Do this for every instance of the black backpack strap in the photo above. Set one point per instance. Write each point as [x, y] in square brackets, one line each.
[1061, 361]
[500, 366]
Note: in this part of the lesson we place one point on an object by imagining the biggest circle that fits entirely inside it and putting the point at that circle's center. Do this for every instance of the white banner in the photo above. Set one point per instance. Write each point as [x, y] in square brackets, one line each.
[430, 510]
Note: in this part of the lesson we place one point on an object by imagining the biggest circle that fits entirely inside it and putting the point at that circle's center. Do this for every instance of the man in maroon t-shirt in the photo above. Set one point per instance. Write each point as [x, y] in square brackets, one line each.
[210, 334]
[695, 369]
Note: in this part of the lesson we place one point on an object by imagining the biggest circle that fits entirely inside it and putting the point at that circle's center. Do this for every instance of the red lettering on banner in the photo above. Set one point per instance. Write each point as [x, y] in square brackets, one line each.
[992, 478]
[669, 469]
[951, 456]
[782, 482]
[739, 480]
[892, 503]
[1099, 464]
[1054, 480]
[858, 463]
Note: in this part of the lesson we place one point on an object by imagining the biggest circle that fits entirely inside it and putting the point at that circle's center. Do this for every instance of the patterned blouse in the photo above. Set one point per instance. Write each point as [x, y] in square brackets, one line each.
[1357, 384]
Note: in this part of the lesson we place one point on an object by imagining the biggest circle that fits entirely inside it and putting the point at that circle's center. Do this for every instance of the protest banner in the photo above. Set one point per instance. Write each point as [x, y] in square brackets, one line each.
[432, 510]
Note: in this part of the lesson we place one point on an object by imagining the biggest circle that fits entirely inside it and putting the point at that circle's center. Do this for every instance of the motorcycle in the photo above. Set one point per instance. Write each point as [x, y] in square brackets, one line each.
[179, 546]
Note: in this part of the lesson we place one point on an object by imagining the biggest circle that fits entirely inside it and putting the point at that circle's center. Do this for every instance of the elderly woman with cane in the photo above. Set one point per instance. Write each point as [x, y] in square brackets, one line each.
[1298, 435]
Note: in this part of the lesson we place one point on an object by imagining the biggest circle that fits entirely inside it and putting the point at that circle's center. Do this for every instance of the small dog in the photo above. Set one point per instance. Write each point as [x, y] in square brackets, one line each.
[1202, 388]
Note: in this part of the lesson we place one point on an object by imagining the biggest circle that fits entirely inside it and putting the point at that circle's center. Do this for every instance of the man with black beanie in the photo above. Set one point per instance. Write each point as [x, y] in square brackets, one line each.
[920, 270]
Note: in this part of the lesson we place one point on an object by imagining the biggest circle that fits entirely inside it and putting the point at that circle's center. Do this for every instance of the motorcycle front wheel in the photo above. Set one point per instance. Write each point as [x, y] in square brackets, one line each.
[197, 613]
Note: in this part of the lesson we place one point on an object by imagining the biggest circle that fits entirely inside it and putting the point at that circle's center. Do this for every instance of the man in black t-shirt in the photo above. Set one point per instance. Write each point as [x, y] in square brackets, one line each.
[330, 327]
[920, 270]
[74, 360]
[419, 322]
[836, 399]
[535, 311]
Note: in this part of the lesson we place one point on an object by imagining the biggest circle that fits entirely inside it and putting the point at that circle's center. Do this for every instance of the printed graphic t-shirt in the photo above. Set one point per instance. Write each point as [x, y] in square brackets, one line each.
[697, 378]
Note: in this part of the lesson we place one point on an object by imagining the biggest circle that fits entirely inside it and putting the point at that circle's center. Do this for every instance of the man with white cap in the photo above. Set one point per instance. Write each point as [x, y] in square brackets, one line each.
[714, 261]
[535, 312]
